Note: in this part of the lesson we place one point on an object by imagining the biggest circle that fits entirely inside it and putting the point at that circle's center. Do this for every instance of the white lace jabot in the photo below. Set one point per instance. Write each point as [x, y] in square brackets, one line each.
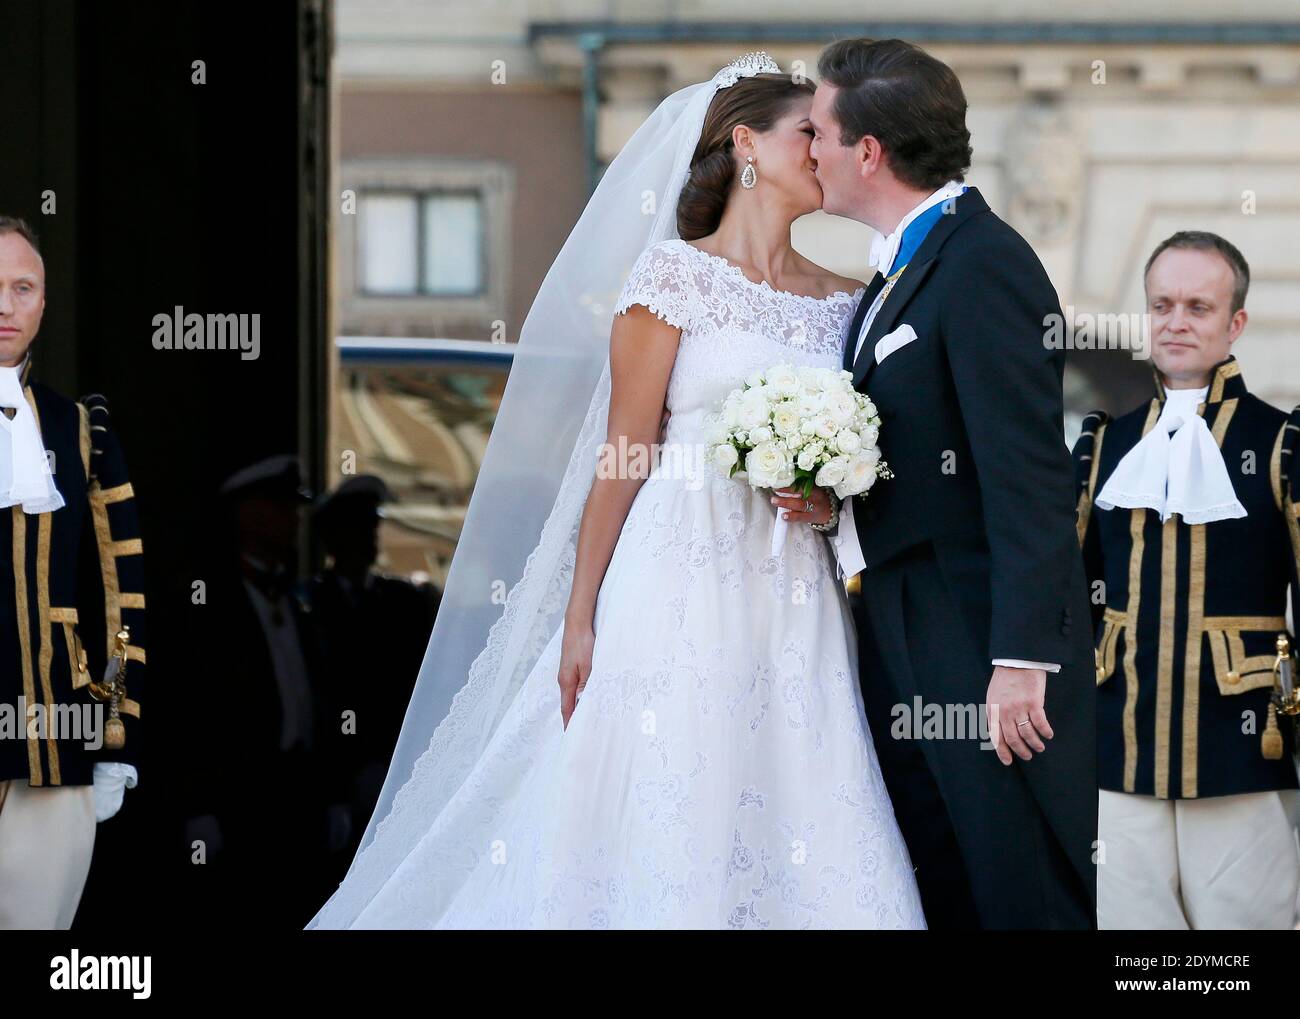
[24, 472]
[1177, 467]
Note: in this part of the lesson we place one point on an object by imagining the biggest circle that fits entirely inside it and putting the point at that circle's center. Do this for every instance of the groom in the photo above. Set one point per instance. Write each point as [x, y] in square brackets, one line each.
[973, 590]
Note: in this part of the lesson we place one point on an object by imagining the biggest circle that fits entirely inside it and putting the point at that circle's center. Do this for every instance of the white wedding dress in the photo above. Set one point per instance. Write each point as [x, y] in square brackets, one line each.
[718, 771]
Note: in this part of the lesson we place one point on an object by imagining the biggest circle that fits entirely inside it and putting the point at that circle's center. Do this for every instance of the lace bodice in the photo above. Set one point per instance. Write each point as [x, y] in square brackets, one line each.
[731, 326]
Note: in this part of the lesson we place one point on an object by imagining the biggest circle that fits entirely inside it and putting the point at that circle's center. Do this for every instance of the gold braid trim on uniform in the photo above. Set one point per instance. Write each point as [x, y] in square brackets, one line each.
[1196, 616]
[1223, 419]
[83, 438]
[1137, 536]
[107, 565]
[1192, 659]
[1221, 375]
[45, 653]
[1112, 626]
[117, 493]
[1137, 525]
[1244, 623]
[37, 775]
[1165, 652]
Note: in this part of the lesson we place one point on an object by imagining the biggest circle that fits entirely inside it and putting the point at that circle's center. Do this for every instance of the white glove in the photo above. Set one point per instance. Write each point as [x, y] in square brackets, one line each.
[111, 780]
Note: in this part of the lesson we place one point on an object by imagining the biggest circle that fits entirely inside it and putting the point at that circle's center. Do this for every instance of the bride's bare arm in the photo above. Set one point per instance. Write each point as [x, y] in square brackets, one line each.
[642, 349]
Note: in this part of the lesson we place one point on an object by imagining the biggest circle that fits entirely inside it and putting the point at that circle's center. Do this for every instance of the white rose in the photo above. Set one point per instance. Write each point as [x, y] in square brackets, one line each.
[847, 441]
[812, 379]
[731, 411]
[869, 434]
[769, 466]
[811, 404]
[725, 455]
[825, 426]
[859, 476]
[832, 472]
[754, 410]
[785, 418]
[715, 431]
[760, 434]
[783, 379]
[807, 459]
[841, 406]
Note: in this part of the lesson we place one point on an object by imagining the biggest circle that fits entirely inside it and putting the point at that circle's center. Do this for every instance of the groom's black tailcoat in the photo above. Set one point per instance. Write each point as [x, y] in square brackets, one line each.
[971, 556]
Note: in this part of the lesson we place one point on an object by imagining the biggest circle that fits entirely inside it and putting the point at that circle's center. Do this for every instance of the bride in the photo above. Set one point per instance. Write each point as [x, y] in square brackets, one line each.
[663, 725]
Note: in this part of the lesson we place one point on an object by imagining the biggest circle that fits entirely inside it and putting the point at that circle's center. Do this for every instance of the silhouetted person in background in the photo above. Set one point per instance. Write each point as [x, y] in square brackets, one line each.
[260, 809]
[372, 629]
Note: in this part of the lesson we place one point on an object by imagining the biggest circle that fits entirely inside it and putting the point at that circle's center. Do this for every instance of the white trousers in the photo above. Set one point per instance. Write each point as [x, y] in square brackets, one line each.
[47, 835]
[1220, 863]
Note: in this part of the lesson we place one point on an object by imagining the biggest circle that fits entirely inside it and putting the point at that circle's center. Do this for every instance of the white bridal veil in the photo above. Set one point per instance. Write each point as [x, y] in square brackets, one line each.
[536, 473]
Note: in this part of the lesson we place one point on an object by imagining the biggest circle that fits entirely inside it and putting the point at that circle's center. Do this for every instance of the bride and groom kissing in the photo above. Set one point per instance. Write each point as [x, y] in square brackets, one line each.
[669, 727]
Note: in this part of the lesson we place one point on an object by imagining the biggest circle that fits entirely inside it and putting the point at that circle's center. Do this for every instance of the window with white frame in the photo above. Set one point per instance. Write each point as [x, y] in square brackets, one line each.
[421, 243]
[424, 245]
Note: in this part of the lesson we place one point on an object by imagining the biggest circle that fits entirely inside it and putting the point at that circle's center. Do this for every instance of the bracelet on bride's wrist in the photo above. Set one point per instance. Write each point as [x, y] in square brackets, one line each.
[835, 518]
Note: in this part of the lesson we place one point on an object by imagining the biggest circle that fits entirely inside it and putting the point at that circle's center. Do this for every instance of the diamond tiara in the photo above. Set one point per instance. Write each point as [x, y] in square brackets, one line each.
[746, 66]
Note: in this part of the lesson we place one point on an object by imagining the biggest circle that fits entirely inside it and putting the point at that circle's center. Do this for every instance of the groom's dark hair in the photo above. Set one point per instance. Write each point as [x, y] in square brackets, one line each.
[910, 102]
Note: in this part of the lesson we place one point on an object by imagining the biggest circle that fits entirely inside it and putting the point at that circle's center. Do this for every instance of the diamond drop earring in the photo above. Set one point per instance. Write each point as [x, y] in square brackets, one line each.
[748, 176]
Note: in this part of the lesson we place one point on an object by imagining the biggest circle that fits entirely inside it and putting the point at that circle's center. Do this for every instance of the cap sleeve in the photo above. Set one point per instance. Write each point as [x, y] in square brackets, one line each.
[661, 281]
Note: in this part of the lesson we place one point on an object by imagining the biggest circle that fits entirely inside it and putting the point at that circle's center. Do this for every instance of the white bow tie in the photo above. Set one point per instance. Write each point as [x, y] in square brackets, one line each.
[884, 249]
[24, 472]
[1177, 467]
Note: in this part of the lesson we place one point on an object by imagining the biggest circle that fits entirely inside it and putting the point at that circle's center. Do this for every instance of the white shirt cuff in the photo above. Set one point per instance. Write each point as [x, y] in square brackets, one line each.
[1017, 663]
[848, 553]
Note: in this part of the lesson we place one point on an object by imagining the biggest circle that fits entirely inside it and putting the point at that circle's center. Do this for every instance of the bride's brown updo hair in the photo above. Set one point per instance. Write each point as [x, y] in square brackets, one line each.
[757, 102]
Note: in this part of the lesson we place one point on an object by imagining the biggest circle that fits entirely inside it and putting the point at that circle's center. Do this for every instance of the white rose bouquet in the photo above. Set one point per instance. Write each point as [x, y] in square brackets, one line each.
[798, 426]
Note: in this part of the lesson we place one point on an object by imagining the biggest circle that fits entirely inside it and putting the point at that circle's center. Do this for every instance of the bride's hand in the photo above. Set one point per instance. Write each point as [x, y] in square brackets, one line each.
[791, 505]
[575, 666]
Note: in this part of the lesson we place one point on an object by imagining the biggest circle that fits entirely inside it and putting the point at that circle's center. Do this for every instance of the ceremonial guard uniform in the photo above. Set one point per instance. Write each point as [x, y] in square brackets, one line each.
[70, 581]
[1193, 830]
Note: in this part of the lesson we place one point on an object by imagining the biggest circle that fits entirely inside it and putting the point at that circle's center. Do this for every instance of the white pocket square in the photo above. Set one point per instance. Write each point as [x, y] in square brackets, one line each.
[900, 337]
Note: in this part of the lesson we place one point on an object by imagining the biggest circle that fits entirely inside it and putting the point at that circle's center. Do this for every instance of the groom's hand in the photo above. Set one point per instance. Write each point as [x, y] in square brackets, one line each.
[1017, 722]
[791, 505]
